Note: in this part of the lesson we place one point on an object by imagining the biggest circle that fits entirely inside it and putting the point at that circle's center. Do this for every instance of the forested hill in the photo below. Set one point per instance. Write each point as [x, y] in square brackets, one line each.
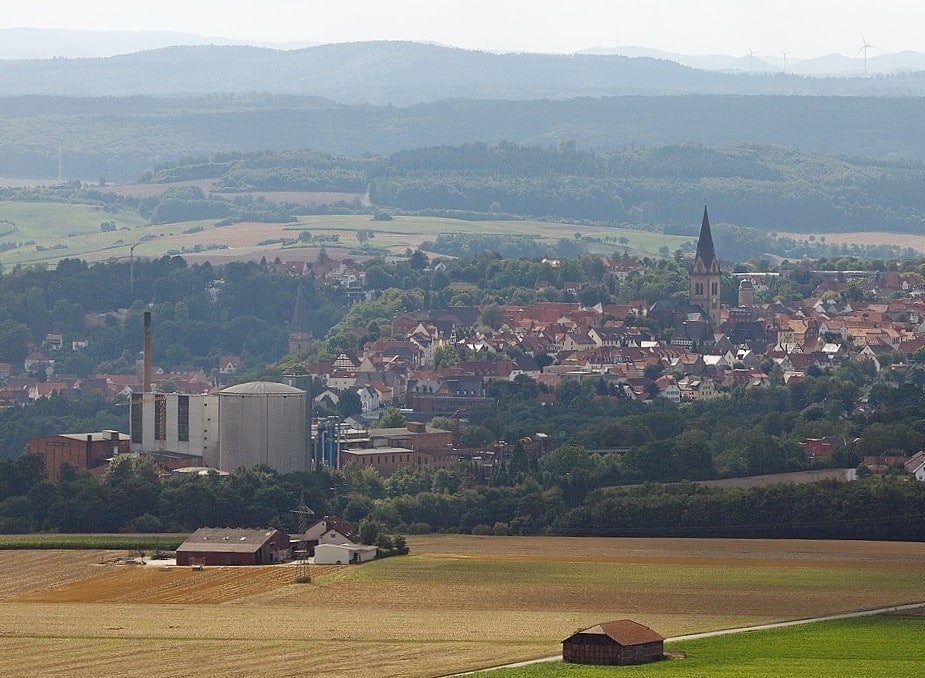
[403, 73]
[765, 187]
[118, 138]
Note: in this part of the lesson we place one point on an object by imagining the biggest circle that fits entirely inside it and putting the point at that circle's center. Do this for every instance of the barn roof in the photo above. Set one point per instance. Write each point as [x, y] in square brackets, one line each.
[625, 632]
[227, 540]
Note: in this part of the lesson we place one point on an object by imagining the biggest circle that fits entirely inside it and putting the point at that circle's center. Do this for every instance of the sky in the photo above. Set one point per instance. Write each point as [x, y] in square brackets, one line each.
[804, 28]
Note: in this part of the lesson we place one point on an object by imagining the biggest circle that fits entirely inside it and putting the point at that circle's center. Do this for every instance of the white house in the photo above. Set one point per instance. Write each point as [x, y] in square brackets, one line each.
[343, 554]
[916, 465]
[369, 399]
[329, 530]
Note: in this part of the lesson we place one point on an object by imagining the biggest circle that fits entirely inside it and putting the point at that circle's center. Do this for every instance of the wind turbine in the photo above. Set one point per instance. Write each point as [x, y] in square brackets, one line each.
[864, 49]
[785, 53]
[751, 55]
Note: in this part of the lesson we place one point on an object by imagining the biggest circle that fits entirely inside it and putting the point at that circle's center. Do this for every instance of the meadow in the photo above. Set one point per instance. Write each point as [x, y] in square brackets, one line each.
[456, 603]
[868, 646]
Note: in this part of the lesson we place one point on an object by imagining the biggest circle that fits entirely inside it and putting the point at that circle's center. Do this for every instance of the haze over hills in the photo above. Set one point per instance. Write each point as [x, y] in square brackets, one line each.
[404, 73]
[35, 43]
[39, 43]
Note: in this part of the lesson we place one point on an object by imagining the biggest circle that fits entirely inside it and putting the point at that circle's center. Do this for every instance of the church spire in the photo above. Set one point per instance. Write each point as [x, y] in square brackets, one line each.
[706, 276]
[705, 252]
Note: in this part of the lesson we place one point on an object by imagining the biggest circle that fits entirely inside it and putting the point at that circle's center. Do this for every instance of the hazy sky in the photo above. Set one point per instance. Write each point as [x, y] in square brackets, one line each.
[804, 28]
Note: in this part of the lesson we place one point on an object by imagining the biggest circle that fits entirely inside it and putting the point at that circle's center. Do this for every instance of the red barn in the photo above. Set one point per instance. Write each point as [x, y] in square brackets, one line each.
[234, 546]
[616, 642]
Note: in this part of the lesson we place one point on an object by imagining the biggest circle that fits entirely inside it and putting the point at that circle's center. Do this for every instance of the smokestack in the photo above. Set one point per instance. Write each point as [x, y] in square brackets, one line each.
[146, 378]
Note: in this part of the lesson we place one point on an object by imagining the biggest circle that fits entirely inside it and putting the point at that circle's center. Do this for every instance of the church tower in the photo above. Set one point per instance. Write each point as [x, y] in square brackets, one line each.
[300, 336]
[705, 274]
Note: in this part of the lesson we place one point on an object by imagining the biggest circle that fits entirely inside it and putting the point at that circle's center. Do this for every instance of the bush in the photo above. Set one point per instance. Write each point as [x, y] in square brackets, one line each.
[420, 528]
[482, 529]
[500, 530]
[146, 524]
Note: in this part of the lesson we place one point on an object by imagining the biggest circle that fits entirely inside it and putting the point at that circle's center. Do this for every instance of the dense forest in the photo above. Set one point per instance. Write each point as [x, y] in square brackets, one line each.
[118, 138]
[762, 189]
[520, 497]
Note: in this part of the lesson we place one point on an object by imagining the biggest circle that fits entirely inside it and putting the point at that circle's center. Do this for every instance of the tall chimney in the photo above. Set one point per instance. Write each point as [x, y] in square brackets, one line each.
[146, 378]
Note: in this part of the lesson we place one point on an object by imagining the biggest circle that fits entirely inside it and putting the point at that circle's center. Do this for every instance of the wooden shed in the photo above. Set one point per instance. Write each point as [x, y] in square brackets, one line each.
[234, 546]
[615, 642]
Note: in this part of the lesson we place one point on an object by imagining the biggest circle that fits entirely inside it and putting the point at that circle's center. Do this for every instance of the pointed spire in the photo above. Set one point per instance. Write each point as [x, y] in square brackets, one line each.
[705, 252]
[299, 314]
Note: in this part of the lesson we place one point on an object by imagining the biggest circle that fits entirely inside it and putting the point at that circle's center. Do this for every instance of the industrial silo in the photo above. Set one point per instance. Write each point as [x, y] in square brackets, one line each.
[262, 422]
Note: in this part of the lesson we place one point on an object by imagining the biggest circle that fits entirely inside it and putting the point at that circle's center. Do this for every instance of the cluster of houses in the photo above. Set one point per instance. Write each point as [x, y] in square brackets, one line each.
[327, 541]
[440, 363]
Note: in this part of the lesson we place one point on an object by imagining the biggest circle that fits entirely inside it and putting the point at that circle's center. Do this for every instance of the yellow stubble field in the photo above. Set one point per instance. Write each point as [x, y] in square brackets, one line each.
[457, 602]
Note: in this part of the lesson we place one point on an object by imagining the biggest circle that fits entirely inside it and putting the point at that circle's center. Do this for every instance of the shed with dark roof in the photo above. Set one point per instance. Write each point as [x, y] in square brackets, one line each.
[615, 642]
[234, 546]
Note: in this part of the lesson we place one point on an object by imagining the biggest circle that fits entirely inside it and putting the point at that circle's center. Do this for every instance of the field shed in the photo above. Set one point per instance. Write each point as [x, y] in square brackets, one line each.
[616, 642]
[344, 554]
[234, 546]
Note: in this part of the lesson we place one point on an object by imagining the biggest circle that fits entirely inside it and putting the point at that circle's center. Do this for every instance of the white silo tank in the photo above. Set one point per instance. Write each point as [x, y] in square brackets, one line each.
[262, 422]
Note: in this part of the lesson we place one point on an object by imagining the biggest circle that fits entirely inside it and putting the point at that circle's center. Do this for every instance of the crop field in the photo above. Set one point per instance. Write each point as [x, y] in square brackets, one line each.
[456, 603]
[47, 232]
[911, 240]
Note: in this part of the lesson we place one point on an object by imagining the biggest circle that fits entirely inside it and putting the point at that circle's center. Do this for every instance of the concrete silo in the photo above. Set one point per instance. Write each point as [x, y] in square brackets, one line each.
[262, 422]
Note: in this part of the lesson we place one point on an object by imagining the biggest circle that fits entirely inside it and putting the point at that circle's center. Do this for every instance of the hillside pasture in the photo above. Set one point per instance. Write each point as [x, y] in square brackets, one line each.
[456, 603]
[58, 230]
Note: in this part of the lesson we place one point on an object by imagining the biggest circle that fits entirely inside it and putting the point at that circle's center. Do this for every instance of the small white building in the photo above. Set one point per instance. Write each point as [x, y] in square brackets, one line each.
[344, 554]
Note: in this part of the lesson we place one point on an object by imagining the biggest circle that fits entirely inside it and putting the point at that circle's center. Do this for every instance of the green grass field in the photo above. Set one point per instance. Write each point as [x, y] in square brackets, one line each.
[48, 232]
[867, 646]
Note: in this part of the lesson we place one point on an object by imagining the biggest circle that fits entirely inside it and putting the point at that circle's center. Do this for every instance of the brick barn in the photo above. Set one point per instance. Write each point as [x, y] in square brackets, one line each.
[616, 642]
[234, 546]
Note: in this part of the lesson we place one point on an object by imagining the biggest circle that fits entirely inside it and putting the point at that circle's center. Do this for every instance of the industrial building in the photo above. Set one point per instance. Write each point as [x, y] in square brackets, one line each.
[176, 424]
[263, 422]
[83, 451]
[245, 425]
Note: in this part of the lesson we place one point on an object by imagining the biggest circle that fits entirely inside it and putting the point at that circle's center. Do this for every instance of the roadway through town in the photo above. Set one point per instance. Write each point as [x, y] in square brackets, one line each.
[710, 634]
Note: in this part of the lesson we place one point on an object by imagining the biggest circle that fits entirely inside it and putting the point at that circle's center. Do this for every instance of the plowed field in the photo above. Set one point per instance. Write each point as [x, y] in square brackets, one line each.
[456, 602]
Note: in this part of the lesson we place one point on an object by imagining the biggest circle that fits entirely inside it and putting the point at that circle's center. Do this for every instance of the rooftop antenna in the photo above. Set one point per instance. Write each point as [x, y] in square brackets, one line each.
[864, 47]
[785, 53]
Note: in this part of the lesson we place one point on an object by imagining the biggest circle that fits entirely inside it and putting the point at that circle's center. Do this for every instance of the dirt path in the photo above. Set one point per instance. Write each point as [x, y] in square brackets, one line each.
[722, 632]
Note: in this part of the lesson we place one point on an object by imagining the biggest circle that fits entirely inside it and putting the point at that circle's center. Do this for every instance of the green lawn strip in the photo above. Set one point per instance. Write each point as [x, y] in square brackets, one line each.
[866, 646]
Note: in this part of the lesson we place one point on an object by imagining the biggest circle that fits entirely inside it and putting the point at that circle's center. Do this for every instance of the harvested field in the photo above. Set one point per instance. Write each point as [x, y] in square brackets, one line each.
[911, 240]
[151, 584]
[46, 570]
[457, 602]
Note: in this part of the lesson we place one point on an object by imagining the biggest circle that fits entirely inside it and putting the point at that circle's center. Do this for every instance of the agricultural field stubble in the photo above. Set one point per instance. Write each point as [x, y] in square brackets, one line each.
[456, 603]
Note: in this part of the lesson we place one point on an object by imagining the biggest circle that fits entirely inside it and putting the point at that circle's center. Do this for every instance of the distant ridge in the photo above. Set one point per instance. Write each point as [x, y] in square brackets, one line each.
[406, 73]
[40, 43]
[35, 43]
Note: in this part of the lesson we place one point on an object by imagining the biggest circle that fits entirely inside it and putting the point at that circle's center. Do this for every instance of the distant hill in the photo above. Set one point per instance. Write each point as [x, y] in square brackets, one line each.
[40, 43]
[404, 73]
